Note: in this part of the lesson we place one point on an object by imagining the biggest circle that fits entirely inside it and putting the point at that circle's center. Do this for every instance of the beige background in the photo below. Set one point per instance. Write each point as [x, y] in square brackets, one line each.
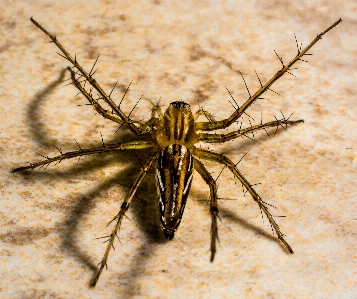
[175, 50]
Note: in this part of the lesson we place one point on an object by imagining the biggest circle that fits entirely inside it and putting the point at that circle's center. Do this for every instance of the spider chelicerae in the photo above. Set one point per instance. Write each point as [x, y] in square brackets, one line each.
[172, 150]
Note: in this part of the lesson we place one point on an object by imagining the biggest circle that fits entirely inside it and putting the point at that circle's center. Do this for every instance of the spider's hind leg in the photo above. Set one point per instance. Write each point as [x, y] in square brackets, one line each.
[203, 154]
[201, 169]
[119, 217]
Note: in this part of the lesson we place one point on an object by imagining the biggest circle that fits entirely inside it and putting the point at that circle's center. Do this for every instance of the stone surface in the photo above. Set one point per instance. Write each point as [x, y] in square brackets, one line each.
[175, 50]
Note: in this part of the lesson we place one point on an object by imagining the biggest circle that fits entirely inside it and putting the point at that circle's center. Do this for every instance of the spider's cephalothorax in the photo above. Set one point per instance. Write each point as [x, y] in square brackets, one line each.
[177, 126]
[173, 138]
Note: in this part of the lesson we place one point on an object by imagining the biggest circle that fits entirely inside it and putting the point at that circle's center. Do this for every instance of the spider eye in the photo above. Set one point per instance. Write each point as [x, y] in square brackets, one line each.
[179, 104]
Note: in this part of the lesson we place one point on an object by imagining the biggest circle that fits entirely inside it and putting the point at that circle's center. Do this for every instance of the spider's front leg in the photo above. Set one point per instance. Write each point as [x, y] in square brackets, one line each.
[97, 107]
[216, 125]
[124, 207]
[118, 115]
[219, 138]
[203, 154]
[201, 169]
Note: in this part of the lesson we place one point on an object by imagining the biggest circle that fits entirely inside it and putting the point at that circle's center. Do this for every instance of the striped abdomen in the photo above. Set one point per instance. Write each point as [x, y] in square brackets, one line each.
[174, 176]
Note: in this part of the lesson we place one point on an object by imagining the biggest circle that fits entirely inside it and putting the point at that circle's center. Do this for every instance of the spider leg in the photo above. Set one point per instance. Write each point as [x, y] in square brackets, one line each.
[97, 107]
[89, 151]
[211, 126]
[145, 128]
[89, 77]
[203, 154]
[201, 169]
[219, 138]
[124, 207]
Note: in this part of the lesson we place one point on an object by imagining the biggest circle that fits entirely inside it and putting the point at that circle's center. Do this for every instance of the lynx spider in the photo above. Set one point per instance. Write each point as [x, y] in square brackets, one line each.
[174, 135]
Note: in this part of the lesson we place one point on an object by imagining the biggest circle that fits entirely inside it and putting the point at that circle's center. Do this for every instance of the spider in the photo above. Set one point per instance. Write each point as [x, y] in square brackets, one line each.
[172, 150]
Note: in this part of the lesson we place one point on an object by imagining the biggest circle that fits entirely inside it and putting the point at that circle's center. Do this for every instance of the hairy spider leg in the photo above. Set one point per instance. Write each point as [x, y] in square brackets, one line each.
[201, 169]
[133, 126]
[133, 145]
[220, 138]
[222, 124]
[124, 207]
[145, 128]
[204, 154]
[105, 113]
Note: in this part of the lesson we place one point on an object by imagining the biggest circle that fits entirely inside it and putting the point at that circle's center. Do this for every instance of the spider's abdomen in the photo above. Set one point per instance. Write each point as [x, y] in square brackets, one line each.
[173, 176]
[177, 126]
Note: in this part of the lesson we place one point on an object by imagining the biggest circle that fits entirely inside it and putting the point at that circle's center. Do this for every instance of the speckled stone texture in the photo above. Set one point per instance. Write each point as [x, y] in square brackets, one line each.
[175, 50]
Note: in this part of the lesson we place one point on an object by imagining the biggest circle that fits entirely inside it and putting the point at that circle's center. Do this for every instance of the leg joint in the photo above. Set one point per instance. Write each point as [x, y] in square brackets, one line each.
[125, 206]
[214, 210]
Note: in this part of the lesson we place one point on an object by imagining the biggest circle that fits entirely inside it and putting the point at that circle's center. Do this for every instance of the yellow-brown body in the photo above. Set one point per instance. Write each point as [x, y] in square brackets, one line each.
[175, 133]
